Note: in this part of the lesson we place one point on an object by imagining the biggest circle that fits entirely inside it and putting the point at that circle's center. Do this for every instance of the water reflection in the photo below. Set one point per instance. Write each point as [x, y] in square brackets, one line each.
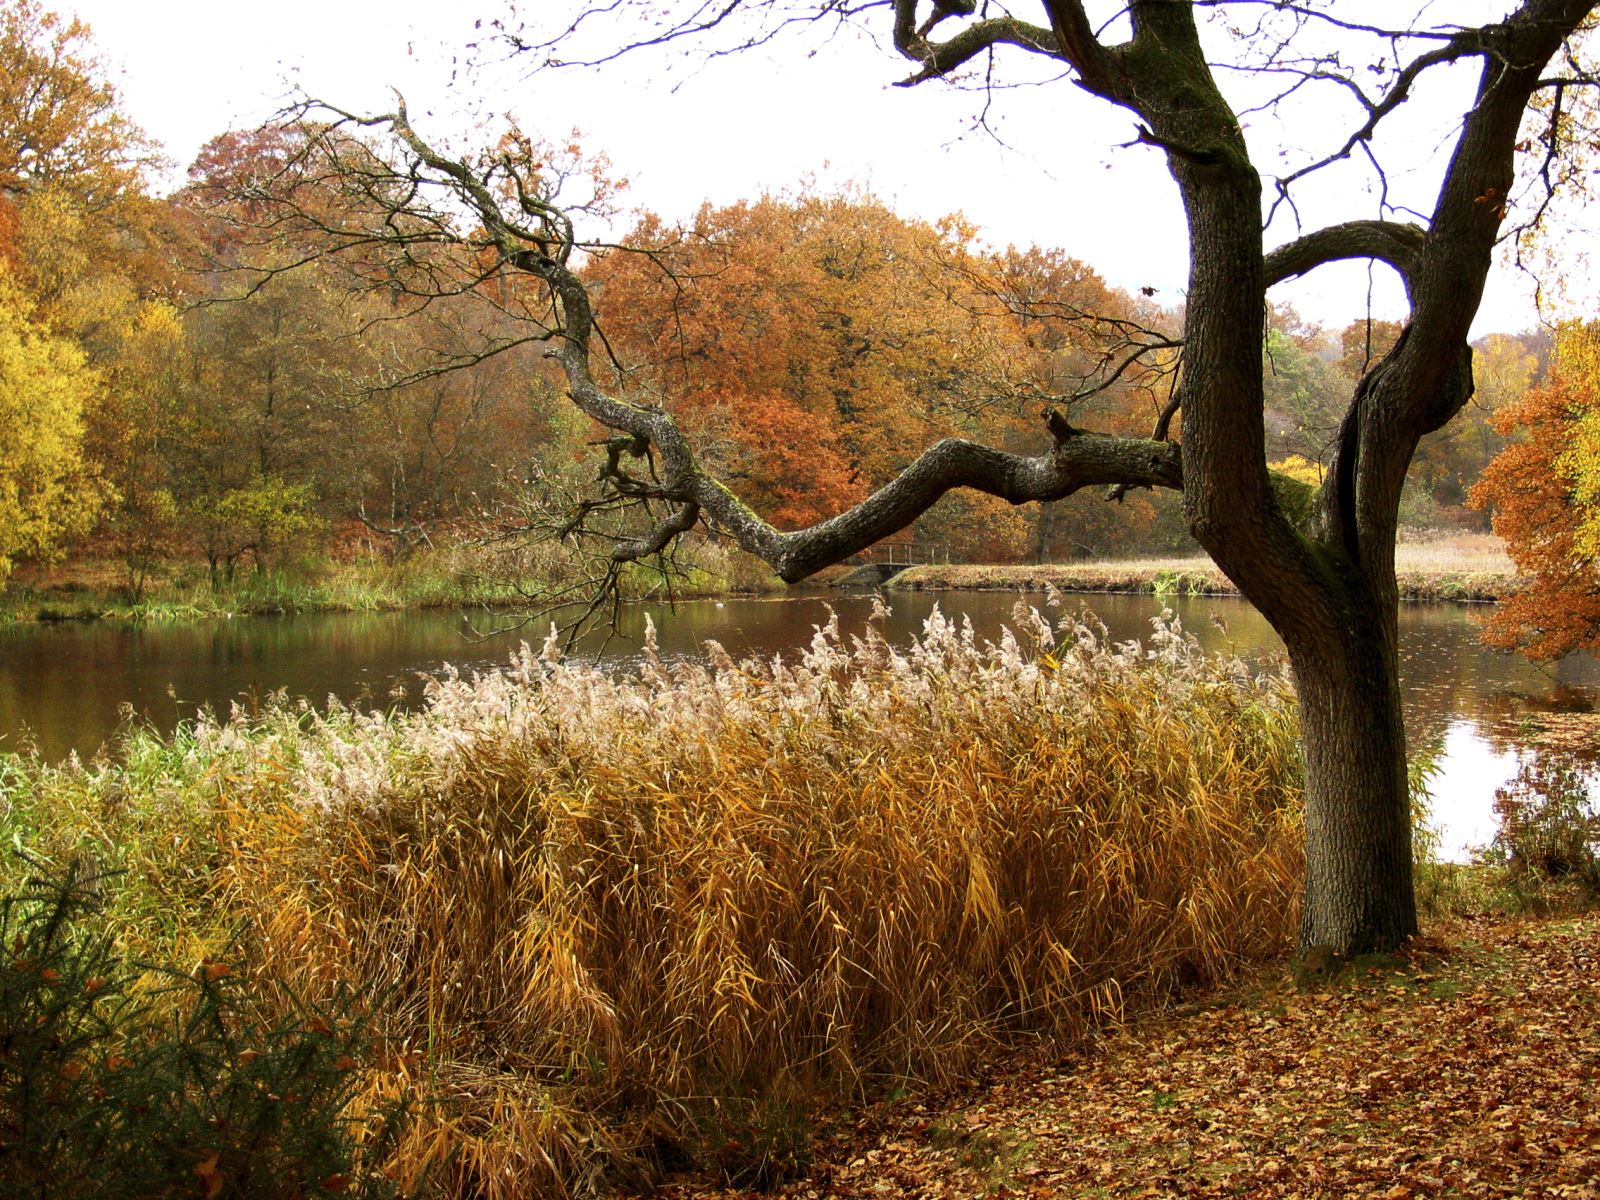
[1471, 770]
[1548, 818]
[63, 686]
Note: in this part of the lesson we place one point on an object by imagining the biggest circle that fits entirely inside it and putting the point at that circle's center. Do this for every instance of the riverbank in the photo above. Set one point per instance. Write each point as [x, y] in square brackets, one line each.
[458, 578]
[1462, 1068]
[1469, 568]
[1464, 568]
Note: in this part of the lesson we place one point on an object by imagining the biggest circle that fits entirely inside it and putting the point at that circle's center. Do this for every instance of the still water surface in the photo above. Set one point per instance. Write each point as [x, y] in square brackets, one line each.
[64, 688]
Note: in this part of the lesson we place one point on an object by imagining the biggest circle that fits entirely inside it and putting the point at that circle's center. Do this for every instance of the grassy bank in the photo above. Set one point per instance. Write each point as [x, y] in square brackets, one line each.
[613, 926]
[452, 577]
[1466, 567]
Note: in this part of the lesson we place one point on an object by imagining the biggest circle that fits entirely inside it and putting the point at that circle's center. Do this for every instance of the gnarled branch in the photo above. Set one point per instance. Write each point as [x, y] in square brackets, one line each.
[1393, 242]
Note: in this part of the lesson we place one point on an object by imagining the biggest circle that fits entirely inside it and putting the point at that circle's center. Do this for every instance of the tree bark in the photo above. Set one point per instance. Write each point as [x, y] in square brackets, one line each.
[1358, 890]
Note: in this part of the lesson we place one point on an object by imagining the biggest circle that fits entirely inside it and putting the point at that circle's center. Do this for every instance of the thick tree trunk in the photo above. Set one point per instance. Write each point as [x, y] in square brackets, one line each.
[1358, 892]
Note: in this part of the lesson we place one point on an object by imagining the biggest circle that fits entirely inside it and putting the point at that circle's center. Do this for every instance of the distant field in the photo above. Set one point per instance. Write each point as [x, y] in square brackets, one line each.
[1461, 567]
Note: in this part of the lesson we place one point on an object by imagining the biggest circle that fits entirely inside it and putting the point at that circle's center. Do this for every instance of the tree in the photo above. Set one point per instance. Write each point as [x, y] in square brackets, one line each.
[810, 344]
[47, 492]
[1318, 563]
[61, 125]
[84, 251]
[1544, 490]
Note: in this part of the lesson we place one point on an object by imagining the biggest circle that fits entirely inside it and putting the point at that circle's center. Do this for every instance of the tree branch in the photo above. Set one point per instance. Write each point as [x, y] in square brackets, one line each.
[1461, 45]
[1396, 243]
[1099, 67]
[940, 58]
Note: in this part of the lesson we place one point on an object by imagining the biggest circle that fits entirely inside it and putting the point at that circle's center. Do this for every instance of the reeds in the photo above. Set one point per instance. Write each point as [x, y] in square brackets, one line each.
[1464, 567]
[611, 923]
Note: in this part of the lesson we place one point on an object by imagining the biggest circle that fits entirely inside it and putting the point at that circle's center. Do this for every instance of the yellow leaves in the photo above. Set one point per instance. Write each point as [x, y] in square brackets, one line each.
[1299, 469]
[47, 492]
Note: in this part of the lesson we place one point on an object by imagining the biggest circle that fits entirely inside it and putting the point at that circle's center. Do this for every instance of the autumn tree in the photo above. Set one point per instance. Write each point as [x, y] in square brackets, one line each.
[1318, 563]
[810, 344]
[1544, 493]
[320, 381]
[47, 490]
[85, 264]
[61, 123]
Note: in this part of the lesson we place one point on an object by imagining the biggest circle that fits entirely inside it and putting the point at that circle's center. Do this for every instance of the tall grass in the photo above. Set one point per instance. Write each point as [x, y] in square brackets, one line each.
[1427, 566]
[615, 923]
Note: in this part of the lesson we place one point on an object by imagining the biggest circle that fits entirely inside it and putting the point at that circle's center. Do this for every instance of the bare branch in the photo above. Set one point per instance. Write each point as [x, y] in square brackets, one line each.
[940, 58]
[1463, 44]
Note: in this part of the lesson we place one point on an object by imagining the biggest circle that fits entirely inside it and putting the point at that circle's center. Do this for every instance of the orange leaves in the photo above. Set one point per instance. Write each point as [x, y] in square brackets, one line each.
[794, 457]
[209, 1175]
[815, 344]
[1534, 487]
[1469, 1078]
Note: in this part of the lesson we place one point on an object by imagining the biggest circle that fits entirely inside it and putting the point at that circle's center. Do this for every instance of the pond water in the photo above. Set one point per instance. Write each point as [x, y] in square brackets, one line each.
[64, 688]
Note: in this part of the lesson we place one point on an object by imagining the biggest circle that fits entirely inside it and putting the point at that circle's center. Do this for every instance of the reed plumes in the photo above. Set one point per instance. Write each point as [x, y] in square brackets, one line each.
[611, 922]
[606, 911]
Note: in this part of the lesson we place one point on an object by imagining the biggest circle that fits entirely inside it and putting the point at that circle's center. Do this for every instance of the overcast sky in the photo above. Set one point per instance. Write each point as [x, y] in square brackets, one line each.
[189, 69]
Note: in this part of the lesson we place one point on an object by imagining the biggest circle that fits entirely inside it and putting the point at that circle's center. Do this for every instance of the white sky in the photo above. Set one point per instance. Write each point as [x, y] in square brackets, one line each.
[189, 69]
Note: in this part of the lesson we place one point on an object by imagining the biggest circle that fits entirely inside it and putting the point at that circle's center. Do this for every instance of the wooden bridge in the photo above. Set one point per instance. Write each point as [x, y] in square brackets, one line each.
[882, 561]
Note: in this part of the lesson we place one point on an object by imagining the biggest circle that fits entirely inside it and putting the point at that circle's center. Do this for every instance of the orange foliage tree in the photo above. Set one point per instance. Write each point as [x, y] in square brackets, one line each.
[1546, 505]
[813, 345]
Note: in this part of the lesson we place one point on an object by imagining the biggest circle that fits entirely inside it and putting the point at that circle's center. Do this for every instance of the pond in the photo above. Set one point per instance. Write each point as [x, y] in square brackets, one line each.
[64, 688]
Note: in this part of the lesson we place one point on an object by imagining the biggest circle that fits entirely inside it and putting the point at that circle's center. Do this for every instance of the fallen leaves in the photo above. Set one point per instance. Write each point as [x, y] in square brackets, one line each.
[1467, 1069]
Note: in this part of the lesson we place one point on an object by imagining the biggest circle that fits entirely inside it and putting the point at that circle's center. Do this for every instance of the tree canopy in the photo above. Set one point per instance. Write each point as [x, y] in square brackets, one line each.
[1544, 488]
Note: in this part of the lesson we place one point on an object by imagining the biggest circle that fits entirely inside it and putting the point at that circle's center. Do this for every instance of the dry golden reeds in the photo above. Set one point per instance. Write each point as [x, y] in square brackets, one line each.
[610, 920]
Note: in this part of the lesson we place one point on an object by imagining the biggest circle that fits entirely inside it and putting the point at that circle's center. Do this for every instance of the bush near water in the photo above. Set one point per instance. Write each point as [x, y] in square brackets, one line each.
[609, 925]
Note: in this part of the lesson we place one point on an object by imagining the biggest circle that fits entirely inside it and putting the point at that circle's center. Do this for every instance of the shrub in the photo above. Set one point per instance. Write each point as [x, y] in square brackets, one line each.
[123, 1081]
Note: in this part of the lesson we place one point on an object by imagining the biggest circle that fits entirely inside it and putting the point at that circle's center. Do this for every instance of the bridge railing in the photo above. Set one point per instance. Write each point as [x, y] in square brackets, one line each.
[903, 554]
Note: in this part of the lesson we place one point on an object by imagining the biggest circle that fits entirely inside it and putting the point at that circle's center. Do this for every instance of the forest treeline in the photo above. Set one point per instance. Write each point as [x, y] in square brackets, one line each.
[172, 391]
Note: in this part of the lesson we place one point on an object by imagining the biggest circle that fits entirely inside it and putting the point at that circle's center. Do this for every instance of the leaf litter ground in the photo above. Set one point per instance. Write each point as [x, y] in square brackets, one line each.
[1470, 1066]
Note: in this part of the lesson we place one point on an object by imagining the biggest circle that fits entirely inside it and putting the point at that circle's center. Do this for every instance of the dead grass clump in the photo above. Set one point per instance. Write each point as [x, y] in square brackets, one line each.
[616, 922]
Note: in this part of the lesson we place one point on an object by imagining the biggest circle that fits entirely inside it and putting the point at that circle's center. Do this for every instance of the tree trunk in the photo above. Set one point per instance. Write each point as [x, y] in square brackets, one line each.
[1044, 532]
[1358, 891]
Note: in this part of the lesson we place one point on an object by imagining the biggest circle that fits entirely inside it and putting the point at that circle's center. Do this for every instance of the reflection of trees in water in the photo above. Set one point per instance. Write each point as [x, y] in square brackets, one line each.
[1549, 820]
[1559, 718]
[1449, 675]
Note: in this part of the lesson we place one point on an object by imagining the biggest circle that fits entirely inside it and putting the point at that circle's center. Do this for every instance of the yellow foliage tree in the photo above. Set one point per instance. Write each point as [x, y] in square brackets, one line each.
[47, 492]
